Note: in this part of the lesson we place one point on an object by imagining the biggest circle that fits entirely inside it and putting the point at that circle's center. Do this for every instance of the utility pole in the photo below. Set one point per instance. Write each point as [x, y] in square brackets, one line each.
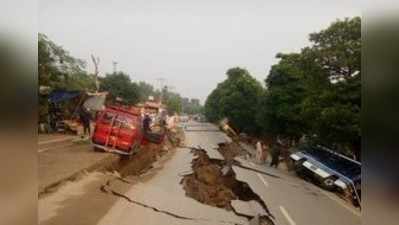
[114, 64]
[161, 81]
[96, 61]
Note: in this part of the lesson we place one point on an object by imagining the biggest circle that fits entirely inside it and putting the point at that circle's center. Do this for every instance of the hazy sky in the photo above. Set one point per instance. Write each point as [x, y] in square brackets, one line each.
[189, 43]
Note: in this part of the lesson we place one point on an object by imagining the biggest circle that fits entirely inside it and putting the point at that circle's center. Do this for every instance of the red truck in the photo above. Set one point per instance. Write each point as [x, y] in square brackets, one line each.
[118, 130]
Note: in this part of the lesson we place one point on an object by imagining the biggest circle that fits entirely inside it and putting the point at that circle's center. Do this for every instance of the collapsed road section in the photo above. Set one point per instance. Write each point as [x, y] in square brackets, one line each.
[151, 198]
[213, 182]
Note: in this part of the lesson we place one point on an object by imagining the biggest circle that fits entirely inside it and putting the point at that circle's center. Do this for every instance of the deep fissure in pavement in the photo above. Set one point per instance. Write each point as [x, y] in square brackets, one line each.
[213, 182]
[128, 167]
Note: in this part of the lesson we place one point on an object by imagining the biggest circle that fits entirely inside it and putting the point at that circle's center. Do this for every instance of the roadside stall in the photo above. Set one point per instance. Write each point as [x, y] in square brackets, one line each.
[61, 110]
[64, 109]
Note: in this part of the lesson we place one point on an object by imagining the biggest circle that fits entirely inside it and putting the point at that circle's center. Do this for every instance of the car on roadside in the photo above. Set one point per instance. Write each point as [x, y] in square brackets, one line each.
[333, 171]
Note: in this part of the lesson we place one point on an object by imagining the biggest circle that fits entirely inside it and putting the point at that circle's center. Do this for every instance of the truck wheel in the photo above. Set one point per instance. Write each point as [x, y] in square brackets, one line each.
[328, 183]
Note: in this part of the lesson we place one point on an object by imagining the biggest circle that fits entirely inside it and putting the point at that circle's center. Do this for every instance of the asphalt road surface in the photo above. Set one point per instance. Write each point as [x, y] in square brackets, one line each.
[158, 197]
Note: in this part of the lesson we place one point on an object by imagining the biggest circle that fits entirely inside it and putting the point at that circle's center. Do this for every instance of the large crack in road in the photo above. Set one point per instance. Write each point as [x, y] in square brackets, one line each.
[107, 188]
[213, 182]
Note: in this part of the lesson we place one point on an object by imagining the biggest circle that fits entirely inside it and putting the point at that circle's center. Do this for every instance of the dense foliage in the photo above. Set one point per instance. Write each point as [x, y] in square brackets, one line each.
[280, 106]
[146, 90]
[120, 86]
[57, 69]
[315, 93]
[237, 99]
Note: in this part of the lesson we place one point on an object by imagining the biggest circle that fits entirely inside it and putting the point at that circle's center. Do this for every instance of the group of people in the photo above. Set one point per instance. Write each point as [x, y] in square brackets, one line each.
[165, 121]
[85, 117]
[262, 152]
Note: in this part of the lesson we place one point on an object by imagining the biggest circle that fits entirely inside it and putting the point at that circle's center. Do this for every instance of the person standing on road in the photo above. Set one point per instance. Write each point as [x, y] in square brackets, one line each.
[265, 152]
[146, 124]
[259, 152]
[275, 152]
[84, 117]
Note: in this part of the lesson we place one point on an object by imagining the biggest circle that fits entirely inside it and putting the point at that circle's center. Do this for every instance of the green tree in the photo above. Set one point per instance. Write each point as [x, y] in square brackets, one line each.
[145, 90]
[58, 69]
[173, 103]
[280, 106]
[337, 50]
[120, 85]
[317, 92]
[237, 99]
[172, 100]
[212, 108]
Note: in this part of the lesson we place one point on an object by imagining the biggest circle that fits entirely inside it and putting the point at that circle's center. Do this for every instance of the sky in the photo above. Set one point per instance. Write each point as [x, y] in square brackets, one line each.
[189, 43]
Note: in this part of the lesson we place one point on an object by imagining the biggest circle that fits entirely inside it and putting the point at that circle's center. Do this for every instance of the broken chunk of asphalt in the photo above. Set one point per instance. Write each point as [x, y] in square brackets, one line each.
[214, 183]
[106, 188]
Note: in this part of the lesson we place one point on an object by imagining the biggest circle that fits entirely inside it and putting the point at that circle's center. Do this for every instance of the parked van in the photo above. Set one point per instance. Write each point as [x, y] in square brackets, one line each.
[118, 130]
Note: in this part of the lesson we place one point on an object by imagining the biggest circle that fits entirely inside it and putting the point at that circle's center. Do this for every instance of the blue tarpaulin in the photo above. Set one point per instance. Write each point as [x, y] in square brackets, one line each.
[59, 96]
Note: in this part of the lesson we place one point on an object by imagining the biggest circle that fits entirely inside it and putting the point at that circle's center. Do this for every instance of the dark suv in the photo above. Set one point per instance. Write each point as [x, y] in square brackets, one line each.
[332, 170]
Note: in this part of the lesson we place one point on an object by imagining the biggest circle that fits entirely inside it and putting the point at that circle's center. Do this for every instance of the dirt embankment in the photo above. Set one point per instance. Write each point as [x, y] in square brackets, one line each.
[148, 154]
[213, 182]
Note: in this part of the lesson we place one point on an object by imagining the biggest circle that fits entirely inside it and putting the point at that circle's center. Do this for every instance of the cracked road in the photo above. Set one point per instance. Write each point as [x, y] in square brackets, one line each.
[157, 197]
